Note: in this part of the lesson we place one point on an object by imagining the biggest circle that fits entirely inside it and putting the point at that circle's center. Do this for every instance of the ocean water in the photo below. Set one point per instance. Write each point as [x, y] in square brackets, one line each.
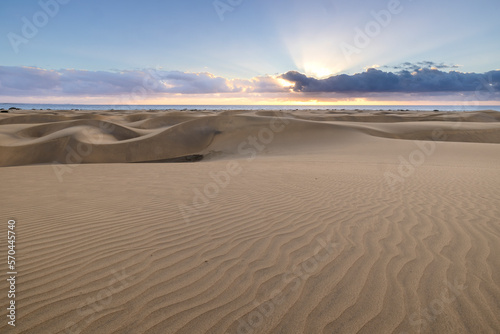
[246, 107]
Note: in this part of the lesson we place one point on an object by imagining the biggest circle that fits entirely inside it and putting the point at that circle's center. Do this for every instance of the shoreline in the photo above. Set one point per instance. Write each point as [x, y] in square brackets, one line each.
[78, 107]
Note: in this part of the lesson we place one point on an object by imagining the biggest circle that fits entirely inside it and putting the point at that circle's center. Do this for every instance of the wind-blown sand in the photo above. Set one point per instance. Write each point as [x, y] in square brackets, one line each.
[292, 222]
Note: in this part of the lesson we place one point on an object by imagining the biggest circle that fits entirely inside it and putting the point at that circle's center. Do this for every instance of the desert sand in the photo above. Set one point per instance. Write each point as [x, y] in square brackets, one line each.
[252, 221]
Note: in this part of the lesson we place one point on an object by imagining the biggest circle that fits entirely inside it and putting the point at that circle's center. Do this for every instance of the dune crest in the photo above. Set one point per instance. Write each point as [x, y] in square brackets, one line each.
[28, 137]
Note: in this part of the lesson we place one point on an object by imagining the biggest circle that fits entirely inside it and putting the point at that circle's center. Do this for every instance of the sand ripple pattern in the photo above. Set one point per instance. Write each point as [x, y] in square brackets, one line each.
[302, 240]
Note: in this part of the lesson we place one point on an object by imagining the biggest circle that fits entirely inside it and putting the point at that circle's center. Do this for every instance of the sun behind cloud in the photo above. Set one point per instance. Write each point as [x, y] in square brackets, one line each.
[319, 70]
[284, 83]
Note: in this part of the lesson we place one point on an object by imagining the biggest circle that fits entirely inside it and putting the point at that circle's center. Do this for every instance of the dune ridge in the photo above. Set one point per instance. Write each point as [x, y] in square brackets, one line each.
[35, 138]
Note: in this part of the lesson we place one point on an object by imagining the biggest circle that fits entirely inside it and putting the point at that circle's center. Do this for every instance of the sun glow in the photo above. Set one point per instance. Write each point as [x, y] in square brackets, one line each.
[285, 83]
[319, 71]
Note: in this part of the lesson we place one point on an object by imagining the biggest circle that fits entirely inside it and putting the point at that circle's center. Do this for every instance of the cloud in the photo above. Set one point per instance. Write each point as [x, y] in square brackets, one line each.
[140, 85]
[426, 64]
[32, 81]
[27, 79]
[423, 80]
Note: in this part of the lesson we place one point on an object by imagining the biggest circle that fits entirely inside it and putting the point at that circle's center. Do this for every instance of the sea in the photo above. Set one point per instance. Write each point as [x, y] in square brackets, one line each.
[248, 107]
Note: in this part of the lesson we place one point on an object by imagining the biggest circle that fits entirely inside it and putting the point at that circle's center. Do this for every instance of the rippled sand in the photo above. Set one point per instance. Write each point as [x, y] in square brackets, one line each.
[289, 222]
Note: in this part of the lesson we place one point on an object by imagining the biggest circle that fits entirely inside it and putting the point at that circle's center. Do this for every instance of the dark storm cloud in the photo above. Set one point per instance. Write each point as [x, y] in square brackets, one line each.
[376, 81]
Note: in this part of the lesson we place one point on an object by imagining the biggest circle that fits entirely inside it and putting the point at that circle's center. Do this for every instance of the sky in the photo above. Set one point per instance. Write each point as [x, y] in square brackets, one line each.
[250, 52]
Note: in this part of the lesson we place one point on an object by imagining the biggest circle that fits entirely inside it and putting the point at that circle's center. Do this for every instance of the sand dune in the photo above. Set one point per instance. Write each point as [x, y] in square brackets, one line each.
[34, 138]
[295, 222]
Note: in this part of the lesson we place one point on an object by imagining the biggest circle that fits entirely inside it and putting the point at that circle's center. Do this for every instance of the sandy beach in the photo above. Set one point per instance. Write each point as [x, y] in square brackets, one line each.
[252, 221]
